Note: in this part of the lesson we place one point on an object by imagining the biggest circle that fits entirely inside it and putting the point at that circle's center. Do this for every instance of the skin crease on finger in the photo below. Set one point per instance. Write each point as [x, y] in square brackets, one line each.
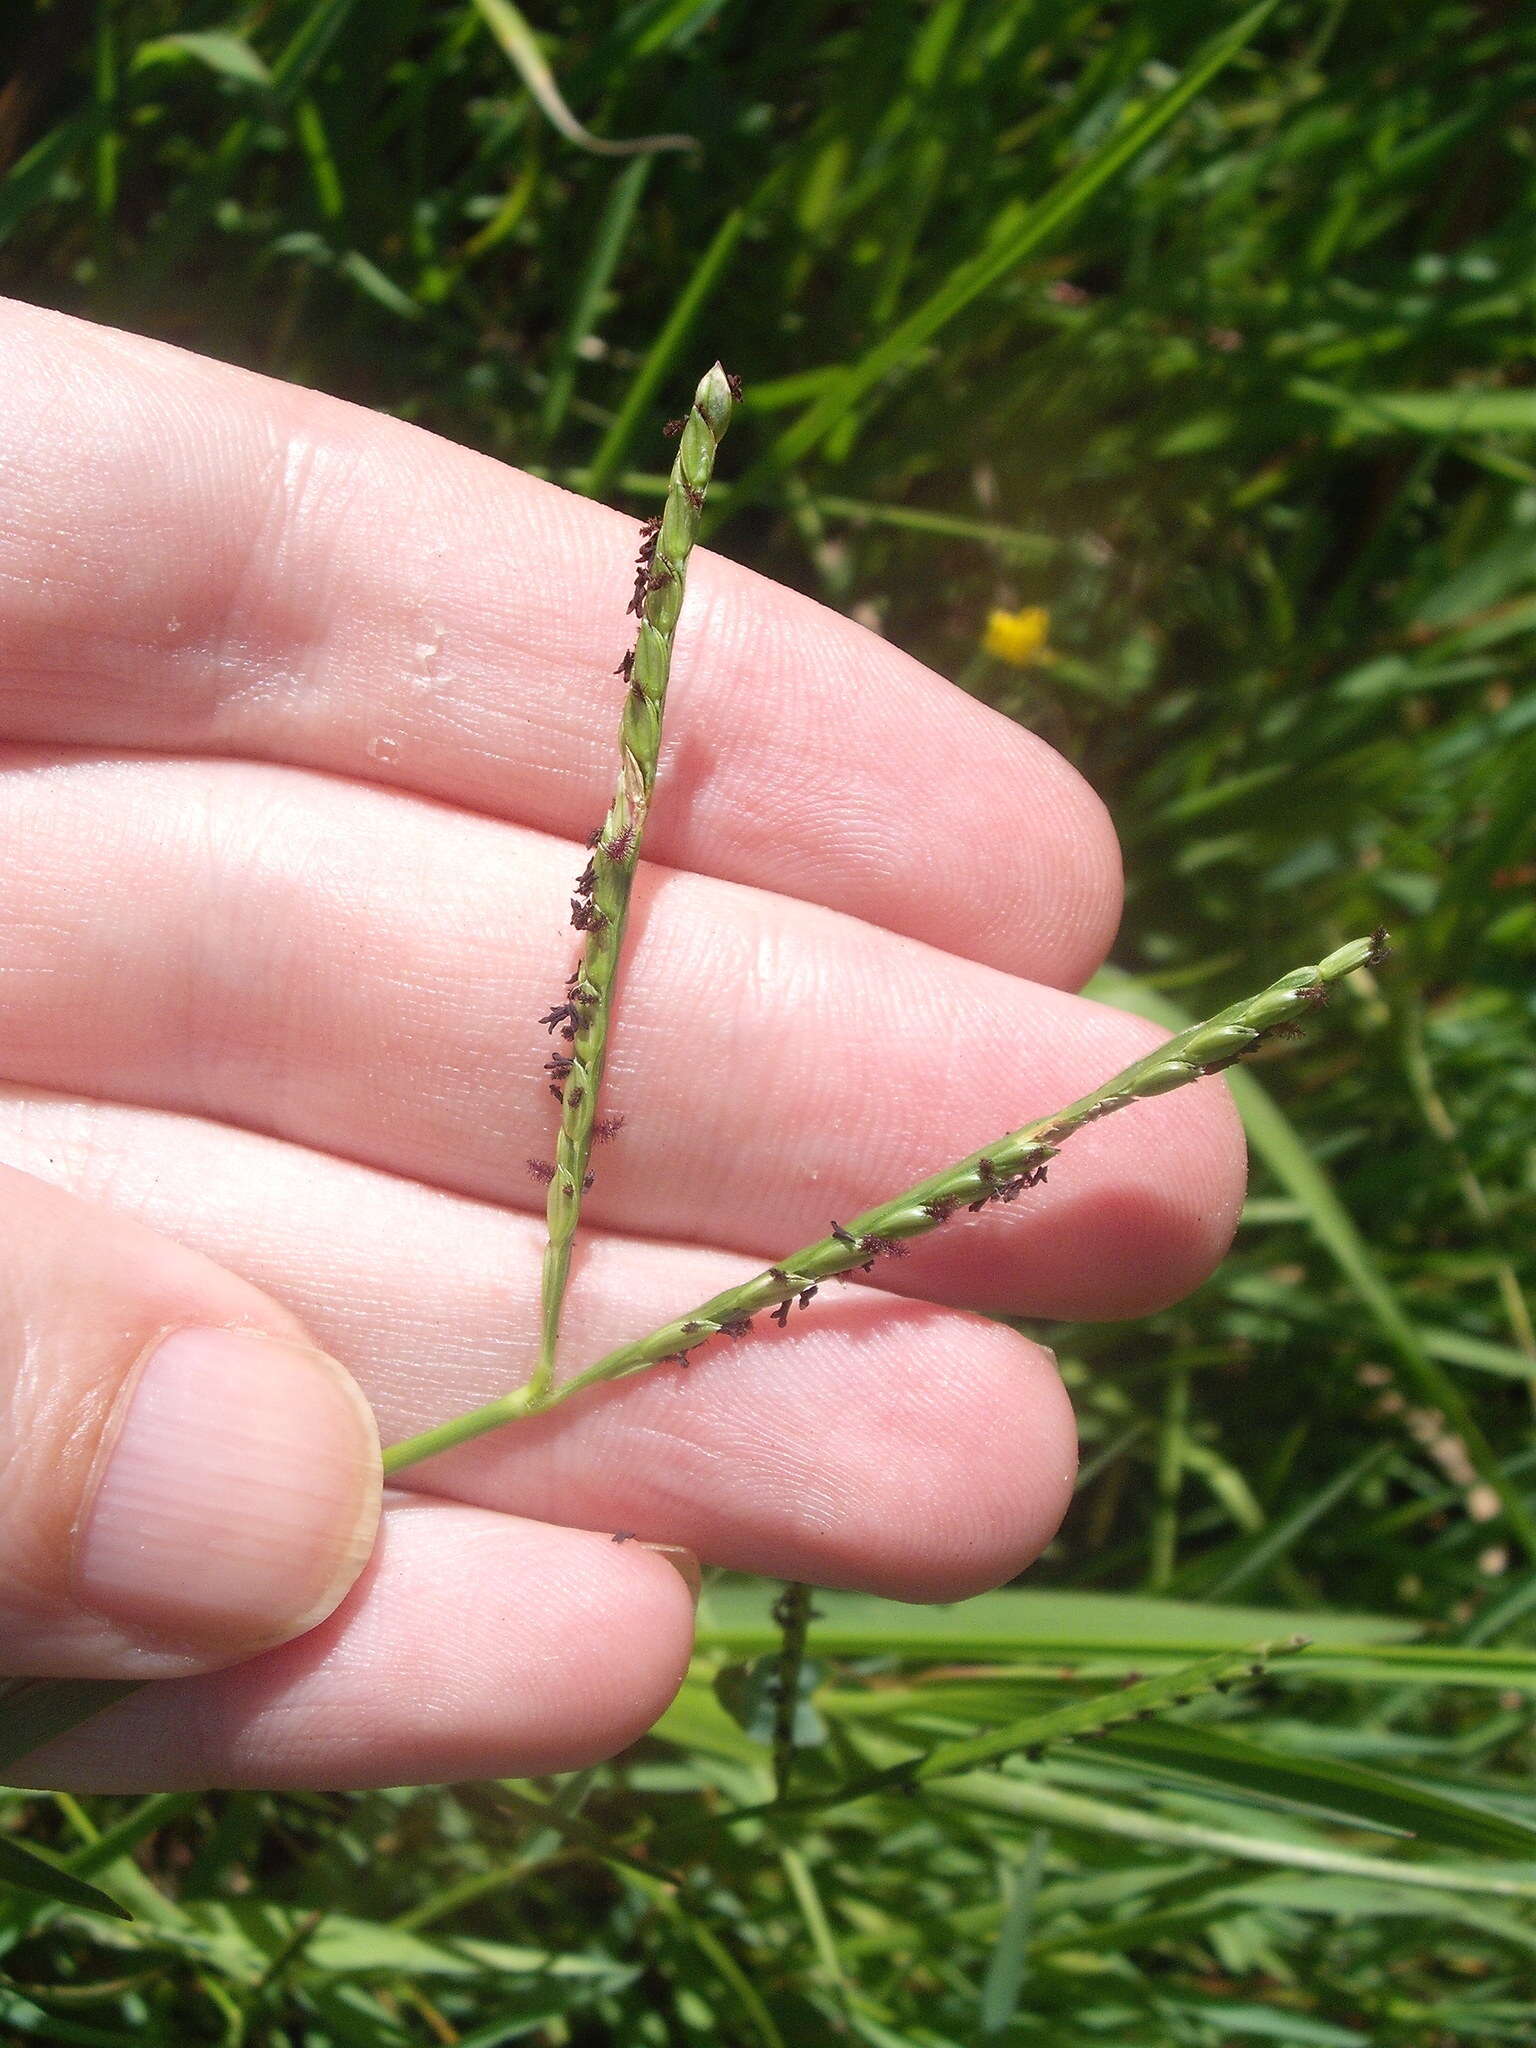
[362, 972]
[198, 559]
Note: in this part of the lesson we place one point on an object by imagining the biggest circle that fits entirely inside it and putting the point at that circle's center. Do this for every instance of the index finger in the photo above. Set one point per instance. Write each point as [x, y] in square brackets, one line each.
[198, 559]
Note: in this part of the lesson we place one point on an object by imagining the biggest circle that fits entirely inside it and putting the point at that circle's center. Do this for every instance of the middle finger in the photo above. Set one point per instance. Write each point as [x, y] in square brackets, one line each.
[363, 971]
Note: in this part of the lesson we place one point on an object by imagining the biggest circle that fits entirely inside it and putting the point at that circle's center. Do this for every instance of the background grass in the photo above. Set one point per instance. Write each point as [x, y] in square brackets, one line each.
[1245, 397]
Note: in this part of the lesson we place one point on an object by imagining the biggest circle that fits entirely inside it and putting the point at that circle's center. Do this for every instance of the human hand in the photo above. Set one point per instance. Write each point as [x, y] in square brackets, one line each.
[305, 717]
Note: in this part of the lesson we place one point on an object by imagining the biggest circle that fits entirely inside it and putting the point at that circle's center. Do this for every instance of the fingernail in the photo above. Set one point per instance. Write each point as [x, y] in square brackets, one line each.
[239, 1497]
[683, 1562]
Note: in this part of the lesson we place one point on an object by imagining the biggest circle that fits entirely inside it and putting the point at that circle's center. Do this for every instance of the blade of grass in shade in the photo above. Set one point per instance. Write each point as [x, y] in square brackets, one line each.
[647, 380]
[228, 55]
[1004, 253]
[1425, 413]
[30, 1872]
[34, 1710]
[1256, 1555]
[194, 204]
[324, 173]
[520, 46]
[802, 1885]
[586, 305]
[1350, 1899]
[1275, 1140]
[1504, 840]
[31, 181]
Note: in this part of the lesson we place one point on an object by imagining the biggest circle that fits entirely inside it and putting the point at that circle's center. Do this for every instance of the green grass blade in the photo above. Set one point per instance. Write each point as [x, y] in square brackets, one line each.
[1274, 1138]
[970, 279]
[521, 49]
[586, 307]
[1008, 1963]
[1271, 1544]
[663, 352]
[1049, 1805]
[1367, 1797]
[29, 1872]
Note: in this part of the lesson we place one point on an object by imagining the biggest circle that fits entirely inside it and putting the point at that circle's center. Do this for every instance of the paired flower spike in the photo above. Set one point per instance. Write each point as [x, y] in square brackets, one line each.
[999, 1174]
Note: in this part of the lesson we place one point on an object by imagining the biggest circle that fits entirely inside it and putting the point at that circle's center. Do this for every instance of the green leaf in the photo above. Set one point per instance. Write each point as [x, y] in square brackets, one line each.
[371, 281]
[1025, 1622]
[1270, 2023]
[1031, 1799]
[30, 181]
[1058, 1636]
[1371, 1798]
[1425, 412]
[521, 49]
[32, 1873]
[663, 352]
[219, 49]
[591, 288]
[1008, 1963]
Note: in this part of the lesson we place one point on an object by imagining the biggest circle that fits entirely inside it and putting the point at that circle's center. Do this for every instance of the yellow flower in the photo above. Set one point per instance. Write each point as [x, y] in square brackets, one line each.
[1019, 638]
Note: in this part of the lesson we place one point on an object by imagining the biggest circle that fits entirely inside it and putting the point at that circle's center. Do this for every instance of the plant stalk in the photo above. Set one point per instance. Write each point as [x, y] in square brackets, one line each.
[601, 905]
[999, 1173]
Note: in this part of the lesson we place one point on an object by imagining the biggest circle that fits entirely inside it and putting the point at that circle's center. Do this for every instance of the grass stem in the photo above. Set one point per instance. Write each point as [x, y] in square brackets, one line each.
[998, 1174]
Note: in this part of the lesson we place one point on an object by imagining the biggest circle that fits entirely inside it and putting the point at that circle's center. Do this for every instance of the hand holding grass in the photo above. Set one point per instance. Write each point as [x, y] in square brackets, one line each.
[274, 969]
[601, 906]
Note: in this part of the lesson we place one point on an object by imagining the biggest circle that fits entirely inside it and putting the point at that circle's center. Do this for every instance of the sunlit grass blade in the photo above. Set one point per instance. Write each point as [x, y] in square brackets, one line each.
[521, 46]
[1051, 1806]
[586, 302]
[1352, 1792]
[1060, 1636]
[640, 393]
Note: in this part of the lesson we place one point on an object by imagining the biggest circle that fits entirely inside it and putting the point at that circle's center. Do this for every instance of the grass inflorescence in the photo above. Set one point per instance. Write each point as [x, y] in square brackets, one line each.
[600, 906]
[999, 1173]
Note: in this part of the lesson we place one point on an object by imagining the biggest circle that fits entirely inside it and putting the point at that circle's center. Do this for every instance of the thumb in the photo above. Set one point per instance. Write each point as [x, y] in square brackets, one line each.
[184, 1479]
